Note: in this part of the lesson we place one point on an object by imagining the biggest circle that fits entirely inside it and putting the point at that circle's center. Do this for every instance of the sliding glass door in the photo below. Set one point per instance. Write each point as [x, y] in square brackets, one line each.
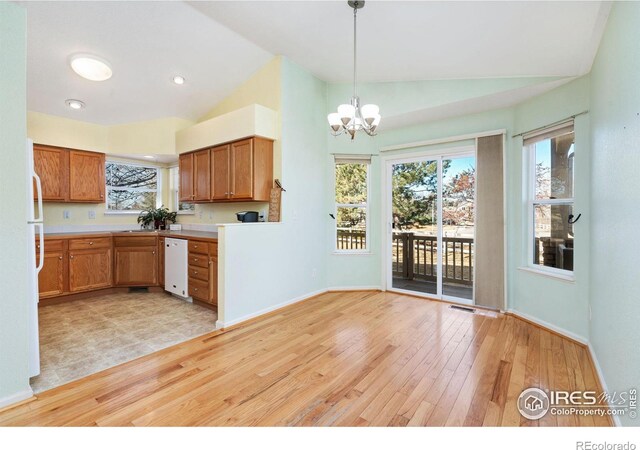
[431, 217]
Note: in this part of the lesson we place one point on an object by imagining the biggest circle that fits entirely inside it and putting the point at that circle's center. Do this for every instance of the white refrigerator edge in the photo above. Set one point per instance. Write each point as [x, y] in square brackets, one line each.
[35, 227]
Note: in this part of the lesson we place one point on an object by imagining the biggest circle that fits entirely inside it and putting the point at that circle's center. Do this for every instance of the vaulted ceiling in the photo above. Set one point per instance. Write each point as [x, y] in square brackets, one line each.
[218, 45]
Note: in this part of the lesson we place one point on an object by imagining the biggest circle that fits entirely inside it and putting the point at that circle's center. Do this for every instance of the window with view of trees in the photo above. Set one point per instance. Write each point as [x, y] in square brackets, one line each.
[131, 187]
[352, 210]
[182, 207]
[551, 196]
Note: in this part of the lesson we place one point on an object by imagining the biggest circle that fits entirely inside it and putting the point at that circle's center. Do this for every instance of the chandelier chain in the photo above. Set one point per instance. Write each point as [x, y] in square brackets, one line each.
[355, 35]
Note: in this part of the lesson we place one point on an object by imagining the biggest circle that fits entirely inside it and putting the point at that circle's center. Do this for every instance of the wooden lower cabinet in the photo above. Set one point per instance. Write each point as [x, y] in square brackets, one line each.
[161, 261]
[136, 261]
[89, 269]
[203, 271]
[51, 279]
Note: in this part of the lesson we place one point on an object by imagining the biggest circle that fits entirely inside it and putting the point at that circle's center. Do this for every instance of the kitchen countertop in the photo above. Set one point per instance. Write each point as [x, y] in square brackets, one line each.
[184, 234]
[205, 235]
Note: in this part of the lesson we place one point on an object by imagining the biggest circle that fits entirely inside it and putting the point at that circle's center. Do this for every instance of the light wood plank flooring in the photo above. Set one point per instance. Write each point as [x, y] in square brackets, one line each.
[344, 359]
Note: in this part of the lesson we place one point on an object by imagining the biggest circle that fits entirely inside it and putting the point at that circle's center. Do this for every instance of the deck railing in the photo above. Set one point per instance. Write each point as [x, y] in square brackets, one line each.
[349, 239]
[415, 256]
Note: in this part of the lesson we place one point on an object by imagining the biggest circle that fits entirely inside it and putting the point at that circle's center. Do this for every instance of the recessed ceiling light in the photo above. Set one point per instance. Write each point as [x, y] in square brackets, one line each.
[91, 67]
[74, 104]
[178, 79]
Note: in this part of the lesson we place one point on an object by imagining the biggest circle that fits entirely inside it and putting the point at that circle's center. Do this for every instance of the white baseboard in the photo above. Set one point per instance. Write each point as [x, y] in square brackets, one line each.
[354, 288]
[577, 338]
[542, 323]
[600, 375]
[15, 398]
[220, 324]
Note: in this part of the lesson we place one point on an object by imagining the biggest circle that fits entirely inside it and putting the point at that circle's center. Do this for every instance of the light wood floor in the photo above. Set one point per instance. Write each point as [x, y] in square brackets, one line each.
[361, 358]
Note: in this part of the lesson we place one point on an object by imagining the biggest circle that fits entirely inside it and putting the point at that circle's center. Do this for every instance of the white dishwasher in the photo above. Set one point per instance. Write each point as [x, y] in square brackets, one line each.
[176, 274]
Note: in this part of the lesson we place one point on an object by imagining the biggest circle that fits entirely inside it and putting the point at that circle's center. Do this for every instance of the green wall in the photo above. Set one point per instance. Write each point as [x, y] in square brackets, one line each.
[14, 378]
[268, 265]
[558, 303]
[615, 197]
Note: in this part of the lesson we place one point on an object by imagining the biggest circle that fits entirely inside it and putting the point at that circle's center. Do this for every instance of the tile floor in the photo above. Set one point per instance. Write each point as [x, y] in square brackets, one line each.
[86, 336]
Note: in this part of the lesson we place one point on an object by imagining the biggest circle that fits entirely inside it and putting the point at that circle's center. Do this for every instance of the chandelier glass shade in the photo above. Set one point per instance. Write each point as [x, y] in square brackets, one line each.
[351, 117]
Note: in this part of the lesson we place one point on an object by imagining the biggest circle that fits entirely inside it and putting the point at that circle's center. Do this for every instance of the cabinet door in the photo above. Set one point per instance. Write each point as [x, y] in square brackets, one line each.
[136, 266]
[51, 277]
[202, 175]
[86, 176]
[161, 262]
[242, 169]
[220, 172]
[52, 166]
[185, 169]
[89, 269]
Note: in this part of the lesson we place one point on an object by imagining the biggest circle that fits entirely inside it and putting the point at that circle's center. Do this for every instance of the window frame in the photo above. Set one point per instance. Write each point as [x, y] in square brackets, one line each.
[157, 190]
[365, 206]
[532, 202]
[174, 192]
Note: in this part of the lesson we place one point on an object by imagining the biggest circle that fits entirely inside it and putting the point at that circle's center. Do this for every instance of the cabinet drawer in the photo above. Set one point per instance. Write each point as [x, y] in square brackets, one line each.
[213, 248]
[88, 243]
[51, 245]
[199, 260]
[135, 241]
[198, 289]
[200, 273]
[198, 247]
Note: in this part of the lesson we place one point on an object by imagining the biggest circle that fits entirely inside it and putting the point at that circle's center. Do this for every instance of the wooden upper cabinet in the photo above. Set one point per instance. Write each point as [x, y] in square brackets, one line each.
[202, 175]
[185, 170]
[86, 176]
[220, 172]
[241, 186]
[52, 166]
[239, 171]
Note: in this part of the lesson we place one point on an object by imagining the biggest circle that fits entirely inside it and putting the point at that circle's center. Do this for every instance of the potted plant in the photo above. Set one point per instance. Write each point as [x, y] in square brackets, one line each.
[157, 216]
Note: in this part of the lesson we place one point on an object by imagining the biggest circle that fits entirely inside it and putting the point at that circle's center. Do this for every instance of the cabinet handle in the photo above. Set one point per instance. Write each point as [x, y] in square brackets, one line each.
[38, 246]
[232, 193]
[71, 257]
[195, 272]
[195, 289]
[101, 195]
[154, 252]
[60, 258]
[195, 259]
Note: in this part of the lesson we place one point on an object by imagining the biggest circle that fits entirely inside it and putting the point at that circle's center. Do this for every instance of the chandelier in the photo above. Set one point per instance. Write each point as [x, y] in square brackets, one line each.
[352, 118]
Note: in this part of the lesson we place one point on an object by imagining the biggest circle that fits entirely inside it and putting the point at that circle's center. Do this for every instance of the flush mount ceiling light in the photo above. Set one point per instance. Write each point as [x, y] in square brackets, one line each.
[74, 104]
[350, 118]
[178, 80]
[90, 67]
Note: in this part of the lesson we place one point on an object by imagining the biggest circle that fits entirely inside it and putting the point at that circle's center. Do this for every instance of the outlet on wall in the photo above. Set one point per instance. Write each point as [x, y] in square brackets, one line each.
[66, 214]
[92, 214]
